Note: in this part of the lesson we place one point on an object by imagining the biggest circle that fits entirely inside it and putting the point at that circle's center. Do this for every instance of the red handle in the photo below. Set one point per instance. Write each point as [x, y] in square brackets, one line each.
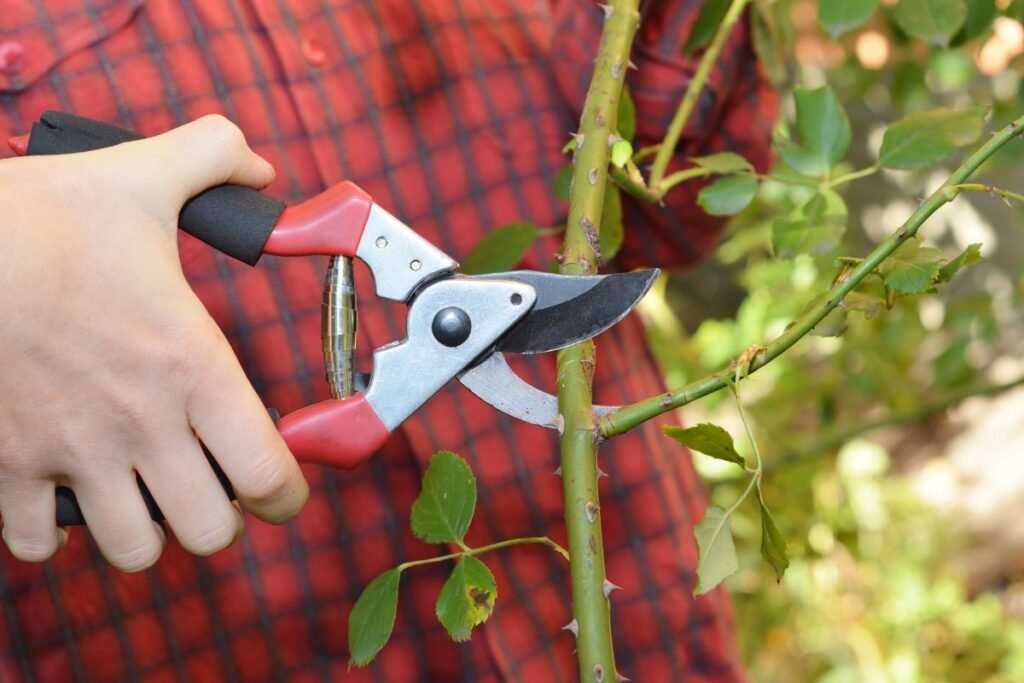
[330, 223]
[337, 433]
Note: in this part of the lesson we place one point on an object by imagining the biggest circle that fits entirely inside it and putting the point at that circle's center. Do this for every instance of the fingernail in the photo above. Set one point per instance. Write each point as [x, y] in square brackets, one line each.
[64, 535]
[161, 532]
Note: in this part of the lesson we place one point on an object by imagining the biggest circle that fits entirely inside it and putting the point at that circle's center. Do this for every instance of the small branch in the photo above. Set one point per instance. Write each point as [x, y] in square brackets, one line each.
[469, 552]
[690, 97]
[632, 186]
[636, 413]
[829, 441]
[856, 175]
[580, 254]
[987, 189]
[682, 176]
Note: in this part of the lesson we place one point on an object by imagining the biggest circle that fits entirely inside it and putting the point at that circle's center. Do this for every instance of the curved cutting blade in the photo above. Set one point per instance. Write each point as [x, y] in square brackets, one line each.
[571, 308]
[494, 382]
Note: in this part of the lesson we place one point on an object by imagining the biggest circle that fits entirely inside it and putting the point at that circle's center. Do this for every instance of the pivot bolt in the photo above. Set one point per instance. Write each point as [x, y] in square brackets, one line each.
[451, 326]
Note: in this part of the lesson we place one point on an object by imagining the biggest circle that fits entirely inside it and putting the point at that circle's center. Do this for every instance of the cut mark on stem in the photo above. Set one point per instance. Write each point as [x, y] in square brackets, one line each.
[598, 673]
[591, 511]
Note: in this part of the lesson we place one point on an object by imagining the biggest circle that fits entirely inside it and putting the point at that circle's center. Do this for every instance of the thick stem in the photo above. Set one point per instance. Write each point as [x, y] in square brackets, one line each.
[636, 413]
[692, 94]
[580, 253]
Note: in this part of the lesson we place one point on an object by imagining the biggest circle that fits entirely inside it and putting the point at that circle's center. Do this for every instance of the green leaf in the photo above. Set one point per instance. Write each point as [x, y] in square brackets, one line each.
[373, 617]
[500, 249]
[924, 138]
[467, 598]
[708, 439]
[443, 510]
[773, 545]
[723, 163]
[813, 228]
[563, 182]
[969, 256]
[716, 552]
[728, 195]
[840, 16]
[627, 115]
[823, 130]
[621, 152]
[612, 231]
[935, 21]
[711, 15]
[980, 14]
[911, 269]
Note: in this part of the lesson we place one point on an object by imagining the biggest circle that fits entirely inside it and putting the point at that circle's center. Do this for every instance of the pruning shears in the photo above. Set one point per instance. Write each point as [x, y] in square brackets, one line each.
[457, 326]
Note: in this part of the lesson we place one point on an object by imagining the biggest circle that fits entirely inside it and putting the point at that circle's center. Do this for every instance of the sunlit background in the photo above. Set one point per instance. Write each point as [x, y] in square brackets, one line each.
[906, 539]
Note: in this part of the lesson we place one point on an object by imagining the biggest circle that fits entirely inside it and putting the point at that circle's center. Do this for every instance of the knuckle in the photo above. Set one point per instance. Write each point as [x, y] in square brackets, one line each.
[32, 549]
[216, 536]
[230, 135]
[136, 557]
[269, 479]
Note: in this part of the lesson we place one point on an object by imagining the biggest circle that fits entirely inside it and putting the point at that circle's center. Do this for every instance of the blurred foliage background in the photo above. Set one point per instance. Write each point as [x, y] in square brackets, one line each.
[893, 466]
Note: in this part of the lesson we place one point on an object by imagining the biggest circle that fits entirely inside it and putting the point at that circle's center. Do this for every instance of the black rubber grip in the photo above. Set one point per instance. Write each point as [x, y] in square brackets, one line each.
[232, 219]
[70, 514]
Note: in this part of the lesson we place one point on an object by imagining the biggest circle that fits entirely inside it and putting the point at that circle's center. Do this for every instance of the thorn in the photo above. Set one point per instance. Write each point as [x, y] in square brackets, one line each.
[573, 627]
[608, 9]
[609, 587]
[620, 678]
[592, 176]
[578, 137]
[601, 473]
[613, 138]
[591, 511]
[558, 471]
[633, 66]
[616, 69]
[598, 673]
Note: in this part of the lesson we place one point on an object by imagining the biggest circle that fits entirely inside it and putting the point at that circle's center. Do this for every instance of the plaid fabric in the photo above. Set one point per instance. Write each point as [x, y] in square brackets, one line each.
[451, 113]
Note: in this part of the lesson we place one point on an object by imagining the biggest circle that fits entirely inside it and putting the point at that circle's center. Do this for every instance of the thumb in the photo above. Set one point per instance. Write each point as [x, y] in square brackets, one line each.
[181, 163]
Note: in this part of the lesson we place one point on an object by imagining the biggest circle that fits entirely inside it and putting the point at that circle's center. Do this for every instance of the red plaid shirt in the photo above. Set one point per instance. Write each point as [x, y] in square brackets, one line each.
[451, 113]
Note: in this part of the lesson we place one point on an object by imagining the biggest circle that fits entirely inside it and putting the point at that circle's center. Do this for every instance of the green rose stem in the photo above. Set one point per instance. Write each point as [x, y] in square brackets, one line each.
[632, 415]
[689, 101]
[580, 253]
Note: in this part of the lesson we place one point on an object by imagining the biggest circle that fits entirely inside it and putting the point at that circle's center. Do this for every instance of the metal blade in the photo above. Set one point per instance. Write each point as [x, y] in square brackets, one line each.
[494, 382]
[571, 308]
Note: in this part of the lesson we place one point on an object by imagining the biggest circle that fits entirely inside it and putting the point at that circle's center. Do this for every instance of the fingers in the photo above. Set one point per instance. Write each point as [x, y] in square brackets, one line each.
[191, 497]
[230, 419]
[183, 162]
[30, 512]
[119, 521]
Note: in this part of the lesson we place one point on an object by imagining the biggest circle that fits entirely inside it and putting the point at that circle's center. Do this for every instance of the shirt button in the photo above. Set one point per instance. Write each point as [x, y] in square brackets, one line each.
[12, 57]
[314, 51]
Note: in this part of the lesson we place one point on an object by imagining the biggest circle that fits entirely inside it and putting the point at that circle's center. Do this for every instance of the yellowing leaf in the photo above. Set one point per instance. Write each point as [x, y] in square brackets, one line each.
[709, 439]
[443, 510]
[467, 598]
[716, 551]
[373, 617]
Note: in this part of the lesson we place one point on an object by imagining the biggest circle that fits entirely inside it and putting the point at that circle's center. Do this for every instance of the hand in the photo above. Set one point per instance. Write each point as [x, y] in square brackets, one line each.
[111, 366]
